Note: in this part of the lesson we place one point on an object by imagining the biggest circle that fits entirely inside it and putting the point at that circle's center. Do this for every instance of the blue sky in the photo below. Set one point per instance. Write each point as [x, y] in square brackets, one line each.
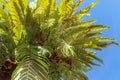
[107, 12]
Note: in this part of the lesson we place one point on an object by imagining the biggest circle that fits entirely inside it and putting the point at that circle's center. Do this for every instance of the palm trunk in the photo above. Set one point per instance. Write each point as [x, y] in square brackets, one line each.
[6, 70]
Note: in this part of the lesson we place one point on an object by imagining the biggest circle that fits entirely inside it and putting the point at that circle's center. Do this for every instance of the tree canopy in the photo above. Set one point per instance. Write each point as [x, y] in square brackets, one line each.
[42, 40]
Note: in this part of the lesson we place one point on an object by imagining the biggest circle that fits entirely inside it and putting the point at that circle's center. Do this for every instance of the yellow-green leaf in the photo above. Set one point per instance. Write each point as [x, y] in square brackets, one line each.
[97, 27]
[2, 31]
[83, 11]
[87, 23]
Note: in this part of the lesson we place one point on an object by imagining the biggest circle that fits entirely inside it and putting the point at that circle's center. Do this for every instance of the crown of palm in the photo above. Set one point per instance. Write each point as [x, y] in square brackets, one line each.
[49, 41]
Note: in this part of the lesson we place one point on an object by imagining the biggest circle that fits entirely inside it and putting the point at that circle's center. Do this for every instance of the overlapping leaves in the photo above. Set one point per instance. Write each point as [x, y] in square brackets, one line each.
[50, 41]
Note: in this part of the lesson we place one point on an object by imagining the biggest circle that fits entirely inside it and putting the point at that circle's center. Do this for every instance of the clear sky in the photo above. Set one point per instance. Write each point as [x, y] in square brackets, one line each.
[107, 12]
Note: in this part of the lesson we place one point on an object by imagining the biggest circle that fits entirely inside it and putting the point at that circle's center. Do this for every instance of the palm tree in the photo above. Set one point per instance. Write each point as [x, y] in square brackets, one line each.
[42, 40]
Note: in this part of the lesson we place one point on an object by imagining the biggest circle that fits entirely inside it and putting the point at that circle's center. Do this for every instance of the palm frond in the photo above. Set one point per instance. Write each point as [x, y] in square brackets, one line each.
[83, 11]
[31, 64]
[30, 68]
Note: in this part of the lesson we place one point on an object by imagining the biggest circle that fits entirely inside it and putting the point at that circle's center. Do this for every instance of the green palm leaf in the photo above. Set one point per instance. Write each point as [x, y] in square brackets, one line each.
[33, 69]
